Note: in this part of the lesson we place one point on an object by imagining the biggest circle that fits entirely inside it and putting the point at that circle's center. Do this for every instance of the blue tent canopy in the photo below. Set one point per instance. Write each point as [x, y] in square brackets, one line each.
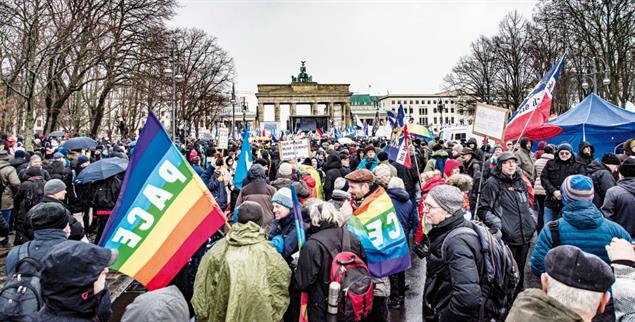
[596, 121]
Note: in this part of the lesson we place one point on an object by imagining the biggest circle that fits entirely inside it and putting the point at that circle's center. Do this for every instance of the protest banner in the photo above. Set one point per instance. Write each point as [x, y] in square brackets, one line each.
[490, 121]
[223, 138]
[293, 149]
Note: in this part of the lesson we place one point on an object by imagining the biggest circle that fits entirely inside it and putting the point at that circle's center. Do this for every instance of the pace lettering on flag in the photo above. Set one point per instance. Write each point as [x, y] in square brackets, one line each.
[534, 111]
[376, 226]
[164, 212]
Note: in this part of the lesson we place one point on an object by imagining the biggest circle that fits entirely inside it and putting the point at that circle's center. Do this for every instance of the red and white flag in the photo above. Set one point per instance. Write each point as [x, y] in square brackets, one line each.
[403, 156]
[534, 111]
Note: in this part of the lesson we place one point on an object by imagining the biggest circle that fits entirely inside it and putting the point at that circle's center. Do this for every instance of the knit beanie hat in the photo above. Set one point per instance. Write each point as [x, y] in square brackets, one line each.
[577, 188]
[19, 154]
[285, 170]
[610, 158]
[565, 147]
[341, 184]
[448, 197]
[283, 198]
[627, 168]
[82, 159]
[49, 215]
[54, 186]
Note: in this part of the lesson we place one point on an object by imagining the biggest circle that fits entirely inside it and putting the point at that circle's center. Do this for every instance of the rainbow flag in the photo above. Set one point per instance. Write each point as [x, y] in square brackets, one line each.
[376, 226]
[163, 214]
[420, 131]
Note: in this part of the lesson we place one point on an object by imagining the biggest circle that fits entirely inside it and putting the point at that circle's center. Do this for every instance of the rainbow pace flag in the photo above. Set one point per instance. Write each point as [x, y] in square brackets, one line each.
[163, 214]
[376, 226]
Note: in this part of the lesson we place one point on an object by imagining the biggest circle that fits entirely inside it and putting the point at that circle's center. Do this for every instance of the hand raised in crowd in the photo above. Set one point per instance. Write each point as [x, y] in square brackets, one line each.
[557, 194]
[620, 249]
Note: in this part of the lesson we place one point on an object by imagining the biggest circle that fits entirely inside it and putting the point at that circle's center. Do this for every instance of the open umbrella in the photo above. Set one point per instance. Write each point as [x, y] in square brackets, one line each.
[102, 169]
[80, 143]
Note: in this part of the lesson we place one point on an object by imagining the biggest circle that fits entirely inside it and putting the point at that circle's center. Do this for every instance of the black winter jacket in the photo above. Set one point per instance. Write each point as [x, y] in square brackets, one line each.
[409, 177]
[553, 175]
[29, 195]
[452, 289]
[602, 180]
[505, 206]
[313, 272]
[333, 170]
[77, 230]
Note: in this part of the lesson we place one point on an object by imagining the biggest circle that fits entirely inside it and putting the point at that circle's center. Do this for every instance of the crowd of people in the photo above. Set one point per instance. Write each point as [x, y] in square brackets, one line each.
[567, 215]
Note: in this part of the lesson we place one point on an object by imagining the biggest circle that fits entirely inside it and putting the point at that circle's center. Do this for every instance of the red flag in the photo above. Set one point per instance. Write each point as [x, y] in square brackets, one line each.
[403, 156]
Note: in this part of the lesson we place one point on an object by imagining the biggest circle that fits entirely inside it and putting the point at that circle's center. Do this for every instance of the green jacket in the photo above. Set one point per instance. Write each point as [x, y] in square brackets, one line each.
[11, 184]
[242, 278]
[535, 305]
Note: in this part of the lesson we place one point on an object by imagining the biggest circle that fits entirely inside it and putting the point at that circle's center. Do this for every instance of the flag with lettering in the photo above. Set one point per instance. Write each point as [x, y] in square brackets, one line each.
[403, 156]
[376, 226]
[164, 212]
[535, 110]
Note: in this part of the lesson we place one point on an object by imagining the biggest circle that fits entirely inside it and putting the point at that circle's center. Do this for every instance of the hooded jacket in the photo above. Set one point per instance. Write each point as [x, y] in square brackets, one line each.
[619, 204]
[260, 192]
[539, 166]
[472, 144]
[553, 176]
[535, 305]
[603, 180]
[404, 207]
[505, 206]
[19, 164]
[285, 228]
[585, 159]
[582, 225]
[526, 160]
[368, 164]
[45, 240]
[11, 184]
[452, 285]
[333, 170]
[242, 278]
[437, 161]
[163, 305]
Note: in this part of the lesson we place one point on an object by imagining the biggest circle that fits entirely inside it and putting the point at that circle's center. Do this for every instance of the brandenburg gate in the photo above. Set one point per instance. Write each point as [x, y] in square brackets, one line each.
[332, 100]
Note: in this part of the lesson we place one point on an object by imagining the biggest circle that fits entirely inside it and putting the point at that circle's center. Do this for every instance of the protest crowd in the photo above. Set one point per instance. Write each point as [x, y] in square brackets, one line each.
[329, 237]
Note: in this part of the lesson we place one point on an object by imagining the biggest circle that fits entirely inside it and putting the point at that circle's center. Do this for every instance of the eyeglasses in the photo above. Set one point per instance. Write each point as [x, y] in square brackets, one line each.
[564, 152]
[427, 207]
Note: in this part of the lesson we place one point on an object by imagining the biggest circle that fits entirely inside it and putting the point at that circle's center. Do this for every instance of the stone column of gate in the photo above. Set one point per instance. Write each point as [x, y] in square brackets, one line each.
[261, 114]
[276, 111]
[314, 108]
[292, 109]
[347, 114]
[329, 110]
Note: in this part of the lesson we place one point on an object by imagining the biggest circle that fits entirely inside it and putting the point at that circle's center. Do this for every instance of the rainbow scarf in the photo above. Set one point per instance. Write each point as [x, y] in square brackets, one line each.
[376, 226]
[163, 214]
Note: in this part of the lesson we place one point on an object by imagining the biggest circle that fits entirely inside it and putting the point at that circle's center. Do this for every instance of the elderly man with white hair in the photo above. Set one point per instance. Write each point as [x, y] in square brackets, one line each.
[575, 287]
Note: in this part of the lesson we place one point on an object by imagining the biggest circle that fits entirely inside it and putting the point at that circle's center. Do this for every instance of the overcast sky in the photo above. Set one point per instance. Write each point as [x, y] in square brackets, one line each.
[395, 46]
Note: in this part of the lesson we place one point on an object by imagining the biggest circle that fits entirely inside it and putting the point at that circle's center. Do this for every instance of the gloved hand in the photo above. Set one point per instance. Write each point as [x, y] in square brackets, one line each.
[278, 243]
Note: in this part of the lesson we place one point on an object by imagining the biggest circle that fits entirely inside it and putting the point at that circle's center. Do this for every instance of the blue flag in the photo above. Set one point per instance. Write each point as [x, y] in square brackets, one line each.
[392, 118]
[400, 115]
[244, 161]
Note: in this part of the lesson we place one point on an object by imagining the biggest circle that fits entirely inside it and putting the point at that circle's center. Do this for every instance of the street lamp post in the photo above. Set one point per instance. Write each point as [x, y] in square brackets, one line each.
[244, 107]
[440, 106]
[233, 102]
[173, 74]
[606, 81]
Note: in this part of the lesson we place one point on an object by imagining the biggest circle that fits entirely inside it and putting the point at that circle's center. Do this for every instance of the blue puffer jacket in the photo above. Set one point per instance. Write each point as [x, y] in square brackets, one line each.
[368, 164]
[582, 225]
[401, 201]
[45, 240]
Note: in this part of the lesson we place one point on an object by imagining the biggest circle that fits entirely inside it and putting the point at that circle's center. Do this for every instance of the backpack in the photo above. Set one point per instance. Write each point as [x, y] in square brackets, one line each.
[355, 300]
[21, 297]
[32, 196]
[500, 274]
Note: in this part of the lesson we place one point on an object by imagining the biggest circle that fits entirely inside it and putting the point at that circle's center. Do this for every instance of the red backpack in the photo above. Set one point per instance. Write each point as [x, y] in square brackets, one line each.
[355, 300]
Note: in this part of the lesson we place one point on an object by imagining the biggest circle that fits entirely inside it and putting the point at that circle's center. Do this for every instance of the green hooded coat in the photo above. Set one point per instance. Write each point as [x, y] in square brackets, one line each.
[242, 278]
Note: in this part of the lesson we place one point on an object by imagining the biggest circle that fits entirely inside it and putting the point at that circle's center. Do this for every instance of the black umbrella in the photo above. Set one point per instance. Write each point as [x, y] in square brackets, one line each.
[80, 143]
[102, 169]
